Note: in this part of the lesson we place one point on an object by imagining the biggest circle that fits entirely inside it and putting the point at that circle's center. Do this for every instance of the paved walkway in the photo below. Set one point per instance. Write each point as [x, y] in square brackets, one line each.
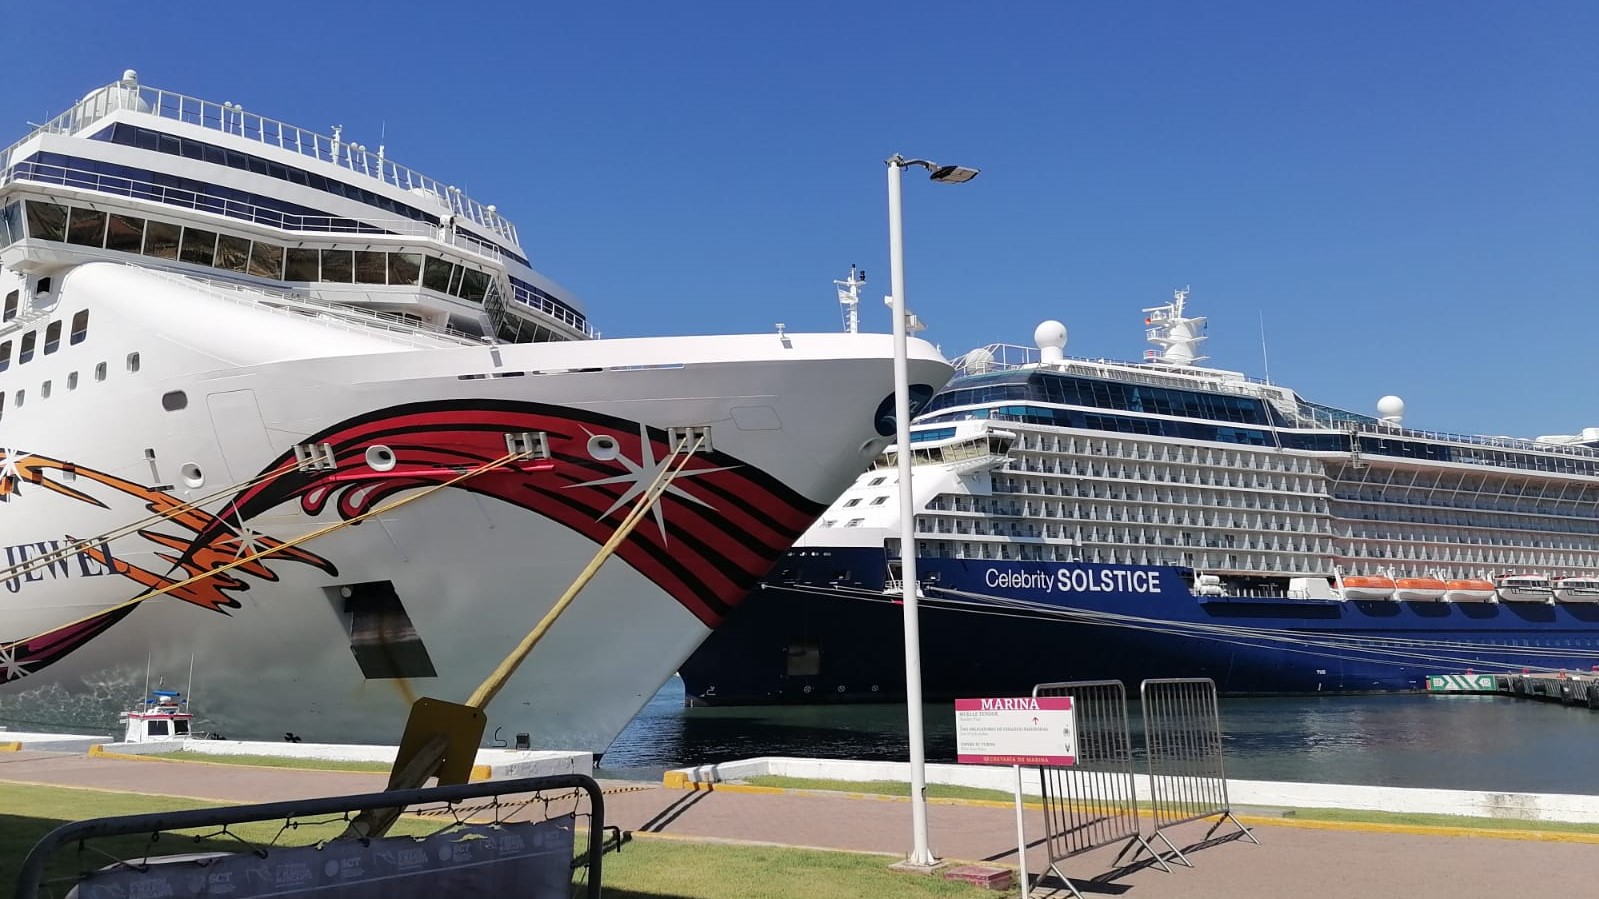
[1293, 860]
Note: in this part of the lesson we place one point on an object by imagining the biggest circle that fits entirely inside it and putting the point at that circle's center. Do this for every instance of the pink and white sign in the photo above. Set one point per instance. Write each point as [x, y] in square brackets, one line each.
[1016, 731]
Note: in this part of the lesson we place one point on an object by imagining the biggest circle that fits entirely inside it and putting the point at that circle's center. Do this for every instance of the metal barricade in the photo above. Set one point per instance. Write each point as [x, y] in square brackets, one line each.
[517, 835]
[1094, 802]
[1182, 734]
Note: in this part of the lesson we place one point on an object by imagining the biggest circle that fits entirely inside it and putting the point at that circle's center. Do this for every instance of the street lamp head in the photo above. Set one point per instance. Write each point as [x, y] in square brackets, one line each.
[953, 174]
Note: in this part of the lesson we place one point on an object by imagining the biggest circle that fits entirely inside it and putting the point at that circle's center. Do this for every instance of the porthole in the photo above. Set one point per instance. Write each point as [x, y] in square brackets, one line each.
[380, 458]
[99, 372]
[192, 475]
[133, 362]
[44, 390]
[603, 448]
[72, 380]
[174, 400]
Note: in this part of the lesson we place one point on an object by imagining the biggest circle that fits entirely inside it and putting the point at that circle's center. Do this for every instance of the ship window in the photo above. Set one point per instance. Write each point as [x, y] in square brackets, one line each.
[854, 502]
[12, 299]
[266, 261]
[99, 372]
[199, 247]
[880, 500]
[11, 223]
[5, 355]
[156, 728]
[86, 228]
[25, 351]
[180, 727]
[303, 265]
[876, 481]
[455, 279]
[436, 275]
[124, 233]
[338, 266]
[21, 395]
[47, 221]
[52, 337]
[405, 268]
[233, 253]
[80, 327]
[371, 267]
[72, 380]
[174, 400]
[42, 287]
[133, 362]
[474, 285]
[44, 390]
[161, 240]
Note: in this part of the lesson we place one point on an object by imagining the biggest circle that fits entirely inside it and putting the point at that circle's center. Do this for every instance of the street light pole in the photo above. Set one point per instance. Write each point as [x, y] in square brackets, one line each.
[921, 854]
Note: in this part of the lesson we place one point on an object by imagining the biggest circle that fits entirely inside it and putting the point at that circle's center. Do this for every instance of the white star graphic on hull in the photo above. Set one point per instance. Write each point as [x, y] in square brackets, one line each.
[10, 668]
[8, 468]
[641, 474]
[250, 541]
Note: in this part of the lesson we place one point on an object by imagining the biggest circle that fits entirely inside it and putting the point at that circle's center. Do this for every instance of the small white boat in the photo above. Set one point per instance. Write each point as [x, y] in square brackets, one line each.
[1577, 589]
[1368, 587]
[1419, 589]
[1468, 590]
[1523, 588]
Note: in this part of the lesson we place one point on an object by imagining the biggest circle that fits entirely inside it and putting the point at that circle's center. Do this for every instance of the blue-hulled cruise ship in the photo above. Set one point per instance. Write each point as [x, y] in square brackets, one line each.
[1086, 518]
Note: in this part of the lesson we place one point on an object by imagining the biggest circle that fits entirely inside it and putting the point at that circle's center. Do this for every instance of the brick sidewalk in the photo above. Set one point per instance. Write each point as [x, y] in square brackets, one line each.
[1293, 861]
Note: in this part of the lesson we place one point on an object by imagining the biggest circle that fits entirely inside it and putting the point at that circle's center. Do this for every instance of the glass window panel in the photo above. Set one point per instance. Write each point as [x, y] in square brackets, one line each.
[474, 285]
[25, 351]
[436, 275]
[80, 327]
[161, 240]
[303, 265]
[11, 223]
[455, 280]
[47, 221]
[5, 355]
[405, 268]
[86, 228]
[12, 299]
[124, 233]
[52, 337]
[233, 253]
[199, 247]
[266, 260]
[371, 267]
[338, 266]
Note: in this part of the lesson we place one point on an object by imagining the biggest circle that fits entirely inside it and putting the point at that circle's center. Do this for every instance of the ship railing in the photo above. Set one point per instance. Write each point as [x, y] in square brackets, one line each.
[231, 118]
[1381, 431]
[199, 201]
[338, 315]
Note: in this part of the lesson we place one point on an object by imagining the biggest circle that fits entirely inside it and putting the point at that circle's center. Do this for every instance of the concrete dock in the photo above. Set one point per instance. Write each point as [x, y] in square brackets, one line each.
[1565, 688]
[1295, 858]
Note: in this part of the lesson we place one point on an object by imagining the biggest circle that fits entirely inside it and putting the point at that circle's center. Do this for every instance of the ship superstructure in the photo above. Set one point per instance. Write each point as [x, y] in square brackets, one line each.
[1166, 491]
[324, 406]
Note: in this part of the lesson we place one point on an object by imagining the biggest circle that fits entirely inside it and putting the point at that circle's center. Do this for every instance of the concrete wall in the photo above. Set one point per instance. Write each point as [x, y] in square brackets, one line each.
[503, 763]
[1470, 803]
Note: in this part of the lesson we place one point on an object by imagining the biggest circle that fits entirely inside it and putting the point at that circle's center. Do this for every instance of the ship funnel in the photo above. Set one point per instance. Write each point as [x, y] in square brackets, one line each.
[1050, 337]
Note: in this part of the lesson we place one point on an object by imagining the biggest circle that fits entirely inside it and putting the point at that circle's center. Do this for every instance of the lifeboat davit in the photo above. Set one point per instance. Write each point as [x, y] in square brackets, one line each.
[1419, 589]
[1524, 588]
[1577, 589]
[1366, 587]
[1468, 590]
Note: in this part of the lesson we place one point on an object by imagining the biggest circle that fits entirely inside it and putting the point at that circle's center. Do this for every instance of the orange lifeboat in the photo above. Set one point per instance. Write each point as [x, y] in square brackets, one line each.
[1367, 587]
[1419, 589]
[1469, 590]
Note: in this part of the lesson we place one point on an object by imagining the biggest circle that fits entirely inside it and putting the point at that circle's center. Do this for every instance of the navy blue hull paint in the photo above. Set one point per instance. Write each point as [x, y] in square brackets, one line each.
[851, 636]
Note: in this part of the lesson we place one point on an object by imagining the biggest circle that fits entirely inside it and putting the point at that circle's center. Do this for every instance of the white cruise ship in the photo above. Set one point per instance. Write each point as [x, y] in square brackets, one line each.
[281, 411]
[1080, 518]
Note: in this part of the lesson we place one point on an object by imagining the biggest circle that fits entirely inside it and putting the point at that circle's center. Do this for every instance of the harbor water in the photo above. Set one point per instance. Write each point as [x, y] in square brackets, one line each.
[1404, 740]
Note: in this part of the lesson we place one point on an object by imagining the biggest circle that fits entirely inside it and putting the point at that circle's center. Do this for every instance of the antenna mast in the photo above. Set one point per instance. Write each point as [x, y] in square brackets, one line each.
[849, 296]
[1264, 360]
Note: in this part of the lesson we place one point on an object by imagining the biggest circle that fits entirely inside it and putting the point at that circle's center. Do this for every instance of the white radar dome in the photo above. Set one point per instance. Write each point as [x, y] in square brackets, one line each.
[1391, 409]
[1050, 338]
[978, 361]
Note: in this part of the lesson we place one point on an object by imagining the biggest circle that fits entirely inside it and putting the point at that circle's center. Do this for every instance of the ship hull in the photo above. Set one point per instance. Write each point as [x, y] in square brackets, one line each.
[992, 628]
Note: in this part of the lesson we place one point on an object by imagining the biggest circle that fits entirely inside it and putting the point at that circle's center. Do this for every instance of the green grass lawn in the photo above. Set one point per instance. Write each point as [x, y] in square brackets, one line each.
[643, 869]
[272, 761]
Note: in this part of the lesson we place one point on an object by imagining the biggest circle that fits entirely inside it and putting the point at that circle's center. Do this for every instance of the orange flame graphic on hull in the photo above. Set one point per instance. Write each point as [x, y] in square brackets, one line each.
[228, 541]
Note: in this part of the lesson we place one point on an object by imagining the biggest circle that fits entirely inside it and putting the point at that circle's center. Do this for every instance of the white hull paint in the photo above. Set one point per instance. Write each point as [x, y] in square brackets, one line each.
[474, 572]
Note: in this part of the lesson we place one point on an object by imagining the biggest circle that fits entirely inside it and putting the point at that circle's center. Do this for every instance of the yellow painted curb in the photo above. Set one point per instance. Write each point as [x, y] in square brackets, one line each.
[1440, 830]
[13, 746]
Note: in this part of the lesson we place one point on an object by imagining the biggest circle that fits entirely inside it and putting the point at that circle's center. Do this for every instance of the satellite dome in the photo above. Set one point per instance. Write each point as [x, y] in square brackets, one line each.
[978, 361]
[1050, 338]
[1391, 409]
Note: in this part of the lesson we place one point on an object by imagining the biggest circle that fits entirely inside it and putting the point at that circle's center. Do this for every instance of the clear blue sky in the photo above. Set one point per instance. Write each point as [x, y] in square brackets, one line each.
[1407, 192]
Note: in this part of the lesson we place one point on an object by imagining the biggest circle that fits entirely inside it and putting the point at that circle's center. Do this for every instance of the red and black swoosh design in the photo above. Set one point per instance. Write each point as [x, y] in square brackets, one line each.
[31, 655]
[716, 545]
